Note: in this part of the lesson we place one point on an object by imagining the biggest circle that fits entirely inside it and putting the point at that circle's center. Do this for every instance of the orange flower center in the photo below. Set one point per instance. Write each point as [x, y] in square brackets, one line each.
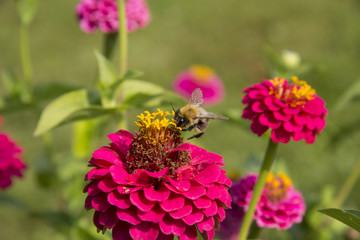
[277, 186]
[294, 94]
[202, 73]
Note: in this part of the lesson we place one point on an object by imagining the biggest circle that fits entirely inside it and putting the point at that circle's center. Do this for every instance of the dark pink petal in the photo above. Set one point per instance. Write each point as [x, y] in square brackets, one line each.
[258, 107]
[162, 236]
[180, 185]
[189, 234]
[258, 94]
[320, 124]
[154, 215]
[291, 126]
[119, 174]
[272, 106]
[182, 147]
[184, 211]
[88, 202]
[257, 127]
[315, 106]
[221, 212]
[208, 235]
[281, 116]
[96, 221]
[173, 203]
[121, 231]
[92, 188]
[212, 210]
[280, 135]
[118, 200]
[156, 174]
[247, 100]
[207, 224]
[203, 202]
[140, 178]
[267, 119]
[220, 192]
[195, 191]
[139, 200]
[100, 203]
[129, 215]
[96, 173]
[301, 118]
[121, 141]
[107, 185]
[209, 175]
[127, 189]
[144, 231]
[223, 179]
[108, 218]
[208, 158]
[159, 195]
[107, 154]
[248, 113]
[169, 225]
[291, 111]
[194, 217]
[186, 172]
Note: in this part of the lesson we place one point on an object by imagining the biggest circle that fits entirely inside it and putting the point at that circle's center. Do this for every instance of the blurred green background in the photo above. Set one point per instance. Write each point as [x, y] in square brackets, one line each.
[229, 36]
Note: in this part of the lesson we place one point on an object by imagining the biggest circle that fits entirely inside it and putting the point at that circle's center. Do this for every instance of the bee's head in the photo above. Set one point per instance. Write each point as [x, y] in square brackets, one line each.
[180, 120]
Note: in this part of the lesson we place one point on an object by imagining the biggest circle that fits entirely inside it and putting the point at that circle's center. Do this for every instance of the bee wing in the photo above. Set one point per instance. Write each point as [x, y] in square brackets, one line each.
[196, 97]
[210, 115]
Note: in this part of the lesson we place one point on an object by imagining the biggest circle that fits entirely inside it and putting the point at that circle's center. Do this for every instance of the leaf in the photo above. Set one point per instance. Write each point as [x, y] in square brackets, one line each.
[72, 106]
[348, 217]
[349, 95]
[27, 10]
[133, 74]
[49, 90]
[107, 75]
[11, 83]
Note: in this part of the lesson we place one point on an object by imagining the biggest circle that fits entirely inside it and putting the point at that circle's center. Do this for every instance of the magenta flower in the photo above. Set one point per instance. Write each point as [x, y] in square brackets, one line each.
[202, 77]
[102, 14]
[230, 227]
[10, 162]
[291, 110]
[280, 206]
[151, 185]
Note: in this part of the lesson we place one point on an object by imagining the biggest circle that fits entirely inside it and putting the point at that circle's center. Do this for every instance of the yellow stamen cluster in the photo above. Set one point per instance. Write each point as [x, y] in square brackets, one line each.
[277, 186]
[293, 94]
[201, 72]
[155, 126]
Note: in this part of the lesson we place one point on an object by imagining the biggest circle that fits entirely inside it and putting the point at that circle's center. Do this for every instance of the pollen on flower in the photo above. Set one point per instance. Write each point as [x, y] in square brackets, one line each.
[294, 94]
[151, 149]
[277, 186]
[202, 72]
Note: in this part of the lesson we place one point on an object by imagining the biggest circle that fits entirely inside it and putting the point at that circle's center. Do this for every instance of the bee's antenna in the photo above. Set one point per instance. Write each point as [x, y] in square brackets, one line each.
[172, 106]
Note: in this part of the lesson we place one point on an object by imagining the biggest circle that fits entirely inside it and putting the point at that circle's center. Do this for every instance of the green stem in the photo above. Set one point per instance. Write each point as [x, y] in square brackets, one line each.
[109, 44]
[123, 41]
[259, 186]
[26, 62]
[347, 186]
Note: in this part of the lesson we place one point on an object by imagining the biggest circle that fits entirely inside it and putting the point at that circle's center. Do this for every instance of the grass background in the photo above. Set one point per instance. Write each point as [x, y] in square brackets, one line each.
[229, 36]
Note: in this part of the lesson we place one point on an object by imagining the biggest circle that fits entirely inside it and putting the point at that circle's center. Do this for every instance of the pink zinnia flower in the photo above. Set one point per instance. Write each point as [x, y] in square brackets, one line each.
[291, 110]
[230, 227]
[203, 77]
[102, 14]
[280, 205]
[10, 162]
[151, 185]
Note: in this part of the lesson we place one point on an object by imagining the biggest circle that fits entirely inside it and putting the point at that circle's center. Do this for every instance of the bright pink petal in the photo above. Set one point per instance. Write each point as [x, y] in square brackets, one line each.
[280, 135]
[107, 185]
[207, 224]
[154, 215]
[267, 119]
[153, 194]
[128, 215]
[119, 174]
[173, 203]
[182, 212]
[258, 107]
[203, 202]
[118, 200]
[144, 231]
[169, 225]
[194, 217]
[139, 200]
[195, 191]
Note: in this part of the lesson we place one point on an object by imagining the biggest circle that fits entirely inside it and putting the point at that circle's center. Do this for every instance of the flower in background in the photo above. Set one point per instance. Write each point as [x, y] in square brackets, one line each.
[280, 205]
[290, 59]
[102, 14]
[230, 227]
[151, 185]
[10, 162]
[290, 109]
[203, 77]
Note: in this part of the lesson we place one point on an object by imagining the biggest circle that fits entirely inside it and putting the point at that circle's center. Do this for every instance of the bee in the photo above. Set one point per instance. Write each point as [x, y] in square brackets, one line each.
[193, 117]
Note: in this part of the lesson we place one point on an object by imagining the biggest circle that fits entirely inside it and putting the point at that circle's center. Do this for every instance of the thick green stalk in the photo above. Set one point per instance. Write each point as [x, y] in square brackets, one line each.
[123, 41]
[109, 44]
[26, 63]
[259, 186]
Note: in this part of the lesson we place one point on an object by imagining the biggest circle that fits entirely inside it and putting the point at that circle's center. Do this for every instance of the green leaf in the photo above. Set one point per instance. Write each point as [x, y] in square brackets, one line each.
[72, 106]
[133, 74]
[27, 10]
[11, 83]
[107, 75]
[51, 89]
[347, 97]
[348, 217]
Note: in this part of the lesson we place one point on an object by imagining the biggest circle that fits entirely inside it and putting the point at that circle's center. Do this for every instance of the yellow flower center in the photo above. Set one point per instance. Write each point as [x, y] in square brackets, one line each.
[202, 73]
[277, 186]
[294, 94]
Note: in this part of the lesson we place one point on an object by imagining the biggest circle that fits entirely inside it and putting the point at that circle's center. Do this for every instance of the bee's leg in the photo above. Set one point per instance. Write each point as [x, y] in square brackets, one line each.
[196, 136]
[189, 128]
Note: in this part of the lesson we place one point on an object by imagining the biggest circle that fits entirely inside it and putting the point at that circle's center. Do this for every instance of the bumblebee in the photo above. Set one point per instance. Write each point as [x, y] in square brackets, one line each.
[193, 117]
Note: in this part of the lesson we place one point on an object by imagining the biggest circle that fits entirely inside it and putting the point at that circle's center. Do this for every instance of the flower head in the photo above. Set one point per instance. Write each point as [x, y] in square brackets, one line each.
[102, 14]
[153, 186]
[280, 205]
[10, 162]
[203, 77]
[290, 109]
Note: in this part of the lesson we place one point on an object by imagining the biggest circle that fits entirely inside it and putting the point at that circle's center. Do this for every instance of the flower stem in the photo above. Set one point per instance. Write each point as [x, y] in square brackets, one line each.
[259, 186]
[123, 41]
[109, 44]
[26, 63]
[347, 186]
